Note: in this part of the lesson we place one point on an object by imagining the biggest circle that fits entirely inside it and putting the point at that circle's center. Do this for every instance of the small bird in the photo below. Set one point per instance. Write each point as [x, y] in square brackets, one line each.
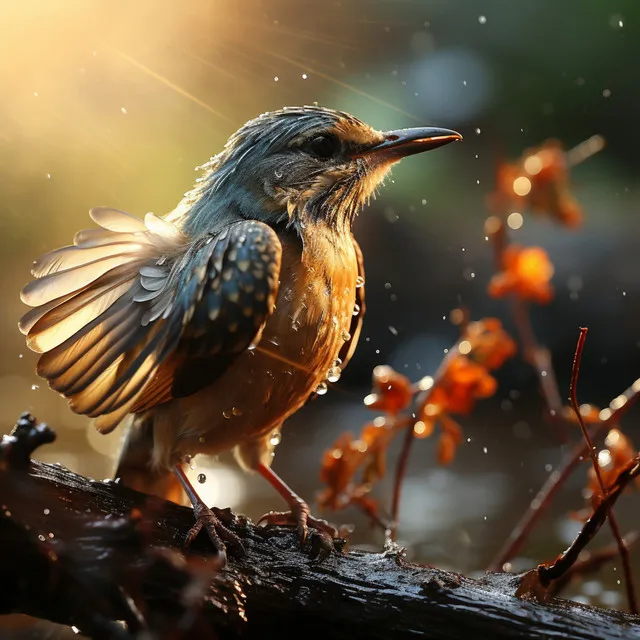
[203, 331]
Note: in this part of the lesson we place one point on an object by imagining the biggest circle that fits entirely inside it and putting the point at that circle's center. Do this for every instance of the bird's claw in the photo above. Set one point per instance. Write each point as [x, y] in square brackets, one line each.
[218, 533]
[324, 536]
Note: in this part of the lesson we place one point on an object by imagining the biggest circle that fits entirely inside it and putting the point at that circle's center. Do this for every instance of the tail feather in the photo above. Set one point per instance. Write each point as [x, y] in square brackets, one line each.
[134, 465]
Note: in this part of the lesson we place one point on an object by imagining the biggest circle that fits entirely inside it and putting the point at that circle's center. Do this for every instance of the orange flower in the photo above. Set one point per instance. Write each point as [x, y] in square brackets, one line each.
[462, 383]
[341, 463]
[488, 343]
[527, 273]
[392, 391]
[539, 180]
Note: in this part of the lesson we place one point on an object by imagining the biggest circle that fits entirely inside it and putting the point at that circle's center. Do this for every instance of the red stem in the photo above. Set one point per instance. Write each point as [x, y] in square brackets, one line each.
[613, 523]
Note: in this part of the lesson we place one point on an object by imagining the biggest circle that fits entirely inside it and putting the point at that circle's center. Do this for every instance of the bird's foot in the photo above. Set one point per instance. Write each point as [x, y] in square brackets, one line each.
[220, 535]
[324, 537]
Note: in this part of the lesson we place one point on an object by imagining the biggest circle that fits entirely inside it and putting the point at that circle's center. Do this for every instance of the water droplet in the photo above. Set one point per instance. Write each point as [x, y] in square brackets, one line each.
[275, 78]
[235, 411]
[393, 330]
[202, 478]
[276, 438]
[35, 387]
[226, 414]
[482, 19]
[359, 282]
[322, 388]
[278, 174]
[123, 110]
[346, 335]
[41, 538]
[274, 341]
[202, 439]
[478, 131]
[20, 355]
[47, 512]
[334, 373]
[295, 325]
[356, 309]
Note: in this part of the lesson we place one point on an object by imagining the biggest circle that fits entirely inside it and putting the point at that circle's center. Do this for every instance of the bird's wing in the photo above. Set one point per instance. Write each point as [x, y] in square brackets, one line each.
[350, 345]
[120, 315]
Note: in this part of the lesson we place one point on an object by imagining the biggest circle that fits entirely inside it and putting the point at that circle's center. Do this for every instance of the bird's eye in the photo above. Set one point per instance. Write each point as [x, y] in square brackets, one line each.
[324, 146]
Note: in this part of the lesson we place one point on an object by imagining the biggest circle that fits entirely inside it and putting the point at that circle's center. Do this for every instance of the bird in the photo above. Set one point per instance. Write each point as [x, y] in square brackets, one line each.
[202, 331]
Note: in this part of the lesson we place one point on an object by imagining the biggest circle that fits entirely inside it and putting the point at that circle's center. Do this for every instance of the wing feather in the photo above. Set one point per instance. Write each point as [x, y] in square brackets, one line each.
[118, 315]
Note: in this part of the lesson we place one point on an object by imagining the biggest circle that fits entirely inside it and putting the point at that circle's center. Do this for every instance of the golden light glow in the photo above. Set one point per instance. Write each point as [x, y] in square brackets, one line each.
[533, 165]
[522, 186]
[464, 347]
[515, 220]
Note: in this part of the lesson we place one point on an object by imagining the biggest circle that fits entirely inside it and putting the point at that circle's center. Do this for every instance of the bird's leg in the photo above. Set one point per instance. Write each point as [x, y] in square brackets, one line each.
[218, 533]
[326, 536]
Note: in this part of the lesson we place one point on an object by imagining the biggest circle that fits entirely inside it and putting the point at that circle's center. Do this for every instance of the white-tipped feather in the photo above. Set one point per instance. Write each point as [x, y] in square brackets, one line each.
[163, 228]
[102, 316]
[54, 334]
[88, 238]
[73, 256]
[56, 285]
[116, 220]
[32, 316]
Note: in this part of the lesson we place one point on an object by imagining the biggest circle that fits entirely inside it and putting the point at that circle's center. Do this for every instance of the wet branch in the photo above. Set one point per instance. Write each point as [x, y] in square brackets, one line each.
[83, 552]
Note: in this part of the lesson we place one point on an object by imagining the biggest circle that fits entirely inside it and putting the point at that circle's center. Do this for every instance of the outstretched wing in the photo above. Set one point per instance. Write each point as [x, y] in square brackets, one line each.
[120, 314]
[350, 345]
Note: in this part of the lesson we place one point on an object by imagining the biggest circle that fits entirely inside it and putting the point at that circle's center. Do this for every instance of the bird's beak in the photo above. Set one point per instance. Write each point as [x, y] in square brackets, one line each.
[406, 142]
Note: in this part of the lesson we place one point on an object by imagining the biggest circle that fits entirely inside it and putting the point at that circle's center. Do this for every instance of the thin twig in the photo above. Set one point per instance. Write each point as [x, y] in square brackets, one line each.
[567, 559]
[403, 459]
[558, 477]
[538, 506]
[368, 510]
[592, 562]
[536, 355]
[615, 529]
[398, 481]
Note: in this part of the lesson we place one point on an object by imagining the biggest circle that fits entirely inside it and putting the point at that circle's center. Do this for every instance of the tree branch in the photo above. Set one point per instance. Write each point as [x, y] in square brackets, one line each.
[88, 553]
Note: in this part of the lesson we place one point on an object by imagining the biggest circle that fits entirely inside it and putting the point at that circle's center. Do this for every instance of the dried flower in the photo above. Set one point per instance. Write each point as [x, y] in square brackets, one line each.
[526, 273]
[392, 391]
[539, 180]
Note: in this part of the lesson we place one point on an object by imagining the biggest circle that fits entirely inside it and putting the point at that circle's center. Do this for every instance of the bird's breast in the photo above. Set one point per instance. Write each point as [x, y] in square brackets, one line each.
[296, 354]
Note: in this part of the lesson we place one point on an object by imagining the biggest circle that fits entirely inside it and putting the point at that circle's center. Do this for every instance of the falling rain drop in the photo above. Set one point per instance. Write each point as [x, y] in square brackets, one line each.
[202, 478]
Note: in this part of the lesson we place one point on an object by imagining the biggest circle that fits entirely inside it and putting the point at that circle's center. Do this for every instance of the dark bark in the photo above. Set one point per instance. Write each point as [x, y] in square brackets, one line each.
[117, 554]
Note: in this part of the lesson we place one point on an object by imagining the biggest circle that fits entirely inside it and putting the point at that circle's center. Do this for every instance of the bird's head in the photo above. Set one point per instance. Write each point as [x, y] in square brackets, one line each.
[303, 164]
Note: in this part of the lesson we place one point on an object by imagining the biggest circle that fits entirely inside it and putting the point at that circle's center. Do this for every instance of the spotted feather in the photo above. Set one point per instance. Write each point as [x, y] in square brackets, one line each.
[126, 312]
